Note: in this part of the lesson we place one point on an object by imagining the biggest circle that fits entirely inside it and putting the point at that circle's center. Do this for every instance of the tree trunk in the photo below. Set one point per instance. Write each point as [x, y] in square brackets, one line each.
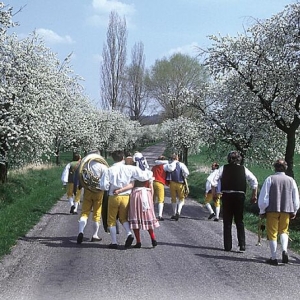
[289, 152]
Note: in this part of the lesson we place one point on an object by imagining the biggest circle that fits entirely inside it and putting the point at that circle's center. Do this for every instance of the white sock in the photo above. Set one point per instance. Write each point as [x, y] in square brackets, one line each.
[160, 209]
[273, 248]
[113, 234]
[76, 206]
[96, 226]
[174, 206]
[284, 240]
[82, 224]
[208, 206]
[217, 212]
[180, 205]
[71, 201]
[127, 228]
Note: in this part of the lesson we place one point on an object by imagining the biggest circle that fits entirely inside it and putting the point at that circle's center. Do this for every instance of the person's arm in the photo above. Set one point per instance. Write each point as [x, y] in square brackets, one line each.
[184, 169]
[124, 188]
[65, 174]
[104, 181]
[160, 162]
[214, 180]
[263, 199]
[295, 199]
[253, 183]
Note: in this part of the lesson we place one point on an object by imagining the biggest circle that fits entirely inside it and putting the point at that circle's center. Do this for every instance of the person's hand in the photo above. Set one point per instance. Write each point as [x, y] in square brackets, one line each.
[253, 200]
[117, 191]
[292, 216]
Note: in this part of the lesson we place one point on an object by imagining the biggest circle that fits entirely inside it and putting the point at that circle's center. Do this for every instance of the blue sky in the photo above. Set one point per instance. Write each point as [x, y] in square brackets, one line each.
[164, 27]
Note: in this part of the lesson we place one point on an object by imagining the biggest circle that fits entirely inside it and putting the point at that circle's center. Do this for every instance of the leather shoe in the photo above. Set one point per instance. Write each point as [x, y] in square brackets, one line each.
[177, 217]
[72, 209]
[216, 219]
[242, 248]
[285, 257]
[137, 245]
[113, 246]
[154, 243]
[96, 239]
[160, 219]
[273, 262]
[211, 216]
[80, 238]
[129, 241]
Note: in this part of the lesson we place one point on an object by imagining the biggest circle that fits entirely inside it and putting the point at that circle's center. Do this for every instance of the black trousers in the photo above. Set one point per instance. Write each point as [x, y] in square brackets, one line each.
[233, 209]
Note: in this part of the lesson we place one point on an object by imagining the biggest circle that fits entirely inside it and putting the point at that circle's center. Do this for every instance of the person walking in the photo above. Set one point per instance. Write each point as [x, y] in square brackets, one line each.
[234, 178]
[176, 173]
[208, 195]
[118, 177]
[278, 202]
[67, 179]
[159, 183]
[91, 169]
[141, 208]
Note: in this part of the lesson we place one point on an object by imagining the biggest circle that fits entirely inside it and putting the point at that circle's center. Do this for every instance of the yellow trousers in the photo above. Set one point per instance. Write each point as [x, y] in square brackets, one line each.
[277, 223]
[159, 192]
[92, 201]
[70, 190]
[118, 206]
[209, 198]
[176, 190]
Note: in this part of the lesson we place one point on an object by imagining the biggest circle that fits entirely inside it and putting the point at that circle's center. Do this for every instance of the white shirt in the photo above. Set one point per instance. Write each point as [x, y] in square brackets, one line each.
[120, 175]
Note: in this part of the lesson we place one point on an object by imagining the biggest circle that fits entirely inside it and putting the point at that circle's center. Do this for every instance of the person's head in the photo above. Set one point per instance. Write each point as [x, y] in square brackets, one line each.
[175, 156]
[76, 156]
[161, 157]
[140, 161]
[280, 165]
[117, 155]
[128, 159]
[234, 157]
[215, 166]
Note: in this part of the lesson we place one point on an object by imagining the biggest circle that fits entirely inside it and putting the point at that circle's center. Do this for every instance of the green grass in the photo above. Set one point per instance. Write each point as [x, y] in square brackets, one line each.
[24, 199]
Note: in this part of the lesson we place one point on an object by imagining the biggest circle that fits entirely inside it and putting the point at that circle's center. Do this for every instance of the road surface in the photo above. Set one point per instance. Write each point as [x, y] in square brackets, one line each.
[188, 263]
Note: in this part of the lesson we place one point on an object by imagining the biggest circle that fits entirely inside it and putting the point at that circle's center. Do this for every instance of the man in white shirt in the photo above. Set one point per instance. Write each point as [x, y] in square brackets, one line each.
[118, 177]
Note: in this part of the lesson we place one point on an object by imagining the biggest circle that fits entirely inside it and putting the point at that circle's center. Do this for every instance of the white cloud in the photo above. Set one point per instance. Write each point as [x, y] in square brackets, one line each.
[102, 9]
[53, 38]
[190, 49]
[98, 58]
[106, 6]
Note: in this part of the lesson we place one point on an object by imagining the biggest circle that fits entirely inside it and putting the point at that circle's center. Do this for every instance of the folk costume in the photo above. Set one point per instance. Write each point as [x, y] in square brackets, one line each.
[91, 166]
[67, 179]
[234, 178]
[141, 208]
[159, 183]
[208, 195]
[278, 201]
[118, 177]
[176, 173]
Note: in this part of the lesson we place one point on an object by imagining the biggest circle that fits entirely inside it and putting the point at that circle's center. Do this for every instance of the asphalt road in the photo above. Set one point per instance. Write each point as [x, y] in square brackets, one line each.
[188, 263]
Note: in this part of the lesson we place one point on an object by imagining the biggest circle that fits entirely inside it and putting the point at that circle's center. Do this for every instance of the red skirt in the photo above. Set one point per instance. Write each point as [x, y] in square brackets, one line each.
[141, 209]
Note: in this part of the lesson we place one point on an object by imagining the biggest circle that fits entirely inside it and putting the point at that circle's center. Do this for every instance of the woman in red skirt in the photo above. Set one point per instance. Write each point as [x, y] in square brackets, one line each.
[141, 208]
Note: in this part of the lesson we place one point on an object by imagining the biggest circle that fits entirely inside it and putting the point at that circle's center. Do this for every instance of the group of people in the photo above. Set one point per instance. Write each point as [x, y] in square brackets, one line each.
[278, 202]
[131, 189]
